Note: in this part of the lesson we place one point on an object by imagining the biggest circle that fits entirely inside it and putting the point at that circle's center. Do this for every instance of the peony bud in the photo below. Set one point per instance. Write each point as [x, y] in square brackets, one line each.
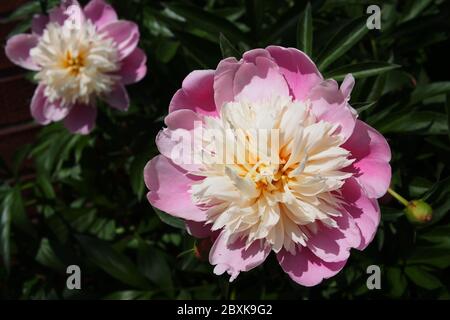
[418, 212]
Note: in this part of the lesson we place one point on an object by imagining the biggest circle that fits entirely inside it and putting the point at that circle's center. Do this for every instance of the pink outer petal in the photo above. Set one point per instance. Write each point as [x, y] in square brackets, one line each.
[100, 13]
[81, 119]
[372, 154]
[329, 104]
[255, 77]
[169, 187]
[54, 111]
[199, 229]
[259, 81]
[223, 81]
[118, 98]
[347, 85]
[196, 93]
[365, 211]
[298, 69]
[133, 68]
[182, 119]
[306, 269]
[334, 244]
[39, 23]
[125, 34]
[59, 14]
[176, 141]
[37, 106]
[18, 50]
[234, 258]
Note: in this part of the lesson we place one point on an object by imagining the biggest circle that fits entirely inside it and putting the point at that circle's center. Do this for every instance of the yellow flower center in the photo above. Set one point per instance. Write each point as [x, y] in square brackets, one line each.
[73, 63]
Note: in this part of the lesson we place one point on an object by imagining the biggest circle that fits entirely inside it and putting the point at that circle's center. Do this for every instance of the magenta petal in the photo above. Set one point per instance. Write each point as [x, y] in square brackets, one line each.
[125, 34]
[100, 13]
[298, 69]
[39, 23]
[199, 229]
[169, 187]
[305, 268]
[365, 211]
[18, 50]
[37, 106]
[133, 68]
[367, 142]
[234, 258]
[334, 244]
[118, 98]
[196, 93]
[81, 119]
[372, 154]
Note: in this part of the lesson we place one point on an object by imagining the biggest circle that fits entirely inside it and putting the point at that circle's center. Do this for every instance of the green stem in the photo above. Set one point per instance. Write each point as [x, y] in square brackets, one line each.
[398, 197]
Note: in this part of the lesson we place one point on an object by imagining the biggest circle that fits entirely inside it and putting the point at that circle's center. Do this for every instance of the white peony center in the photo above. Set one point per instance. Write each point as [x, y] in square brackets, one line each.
[77, 63]
[275, 188]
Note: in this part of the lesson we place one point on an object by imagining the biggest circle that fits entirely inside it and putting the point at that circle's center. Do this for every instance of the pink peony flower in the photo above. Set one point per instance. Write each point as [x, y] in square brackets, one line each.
[310, 201]
[79, 54]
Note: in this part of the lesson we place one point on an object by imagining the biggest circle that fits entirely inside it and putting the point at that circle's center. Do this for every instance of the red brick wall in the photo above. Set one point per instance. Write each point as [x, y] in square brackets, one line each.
[16, 126]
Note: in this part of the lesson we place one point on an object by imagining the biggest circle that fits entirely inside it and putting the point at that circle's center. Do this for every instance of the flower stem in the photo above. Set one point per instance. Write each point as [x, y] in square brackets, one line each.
[398, 197]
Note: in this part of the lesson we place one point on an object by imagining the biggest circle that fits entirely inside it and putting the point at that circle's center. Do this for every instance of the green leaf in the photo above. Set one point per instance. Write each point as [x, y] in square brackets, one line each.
[342, 41]
[170, 220]
[414, 9]
[447, 109]
[417, 122]
[47, 257]
[437, 256]
[153, 265]
[166, 50]
[361, 70]
[305, 31]
[439, 198]
[137, 173]
[228, 50]
[208, 22]
[45, 185]
[5, 230]
[429, 90]
[23, 11]
[438, 235]
[396, 281]
[363, 106]
[254, 10]
[129, 295]
[112, 262]
[19, 216]
[422, 278]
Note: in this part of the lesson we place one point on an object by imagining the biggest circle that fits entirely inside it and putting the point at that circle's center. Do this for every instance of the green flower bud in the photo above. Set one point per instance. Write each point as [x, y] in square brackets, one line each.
[418, 212]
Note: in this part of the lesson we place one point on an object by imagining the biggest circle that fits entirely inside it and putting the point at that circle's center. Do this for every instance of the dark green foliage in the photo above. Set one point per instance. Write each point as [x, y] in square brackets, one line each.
[86, 203]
